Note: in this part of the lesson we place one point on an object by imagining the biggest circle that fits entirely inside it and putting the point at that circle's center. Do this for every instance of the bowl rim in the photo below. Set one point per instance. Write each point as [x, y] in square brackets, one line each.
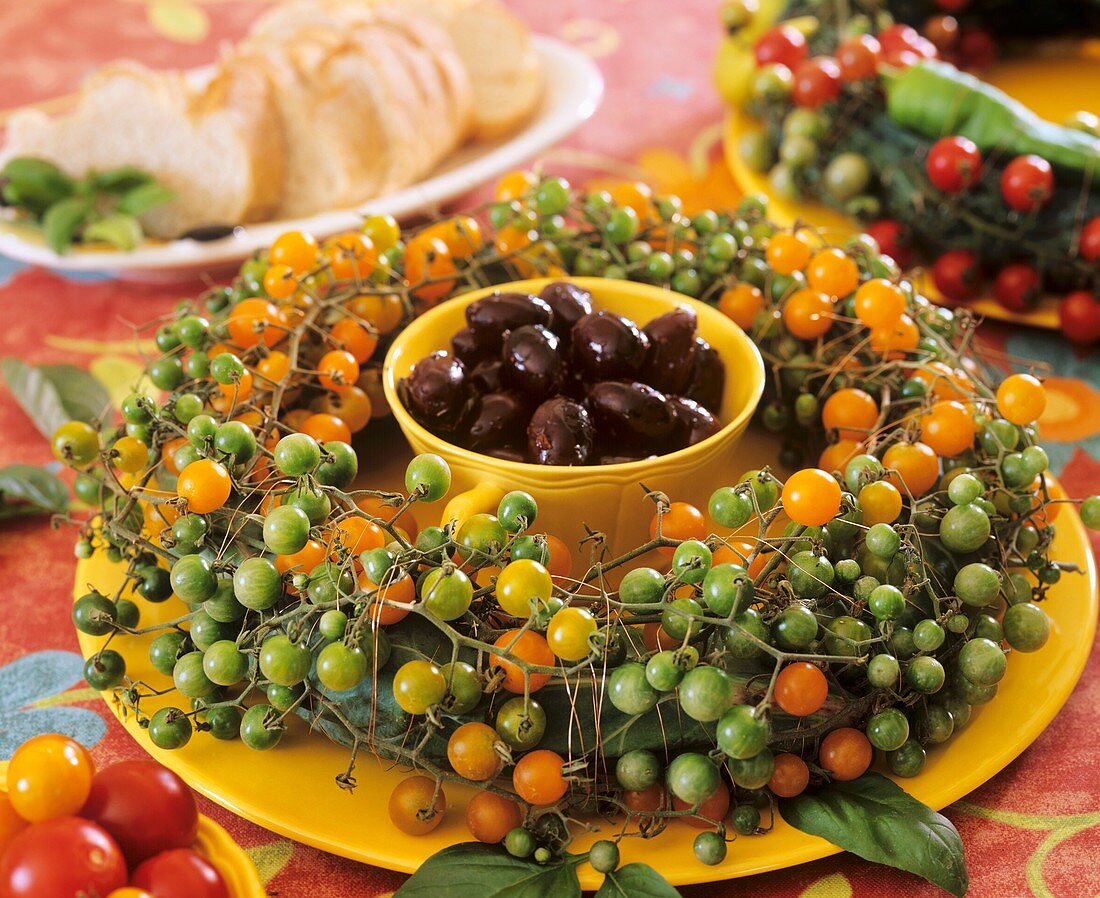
[593, 284]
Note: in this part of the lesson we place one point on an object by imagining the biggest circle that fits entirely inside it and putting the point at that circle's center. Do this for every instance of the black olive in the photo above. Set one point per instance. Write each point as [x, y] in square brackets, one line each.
[608, 347]
[492, 316]
[469, 349]
[485, 378]
[435, 392]
[532, 364]
[569, 303]
[708, 377]
[693, 422]
[633, 414]
[496, 420]
[560, 433]
[671, 353]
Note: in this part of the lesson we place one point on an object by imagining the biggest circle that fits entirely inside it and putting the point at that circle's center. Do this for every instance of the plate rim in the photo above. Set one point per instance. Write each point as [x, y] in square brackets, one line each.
[569, 111]
[805, 848]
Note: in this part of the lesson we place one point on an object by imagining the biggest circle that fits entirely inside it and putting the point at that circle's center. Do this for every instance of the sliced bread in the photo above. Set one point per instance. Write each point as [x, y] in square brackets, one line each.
[215, 147]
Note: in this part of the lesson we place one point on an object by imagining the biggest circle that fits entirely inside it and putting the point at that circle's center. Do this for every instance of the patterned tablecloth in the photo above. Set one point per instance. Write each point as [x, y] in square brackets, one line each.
[1034, 829]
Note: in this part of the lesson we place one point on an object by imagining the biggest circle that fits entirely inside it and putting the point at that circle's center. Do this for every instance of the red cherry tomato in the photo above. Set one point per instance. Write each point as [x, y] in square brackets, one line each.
[957, 275]
[953, 164]
[1027, 183]
[816, 81]
[1016, 287]
[61, 858]
[1089, 246]
[952, 5]
[902, 45]
[977, 49]
[858, 57]
[180, 873]
[1079, 314]
[145, 807]
[892, 239]
[784, 44]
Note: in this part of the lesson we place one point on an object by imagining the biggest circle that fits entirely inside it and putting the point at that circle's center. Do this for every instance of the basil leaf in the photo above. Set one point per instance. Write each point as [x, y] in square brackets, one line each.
[144, 197]
[29, 489]
[54, 394]
[62, 220]
[118, 230]
[119, 180]
[877, 820]
[636, 881]
[474, 870]
[34, 184]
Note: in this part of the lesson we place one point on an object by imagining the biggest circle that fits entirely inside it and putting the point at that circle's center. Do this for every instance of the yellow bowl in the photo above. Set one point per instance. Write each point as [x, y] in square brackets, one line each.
[607, 498]
[231, 861]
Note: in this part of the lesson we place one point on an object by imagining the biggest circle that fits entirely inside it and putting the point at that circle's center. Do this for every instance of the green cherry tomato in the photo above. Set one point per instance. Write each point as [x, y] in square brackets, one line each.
[418, 685]
[339, 465]
[886, 602]
[190, 678]
[297, 454]
[748, 630]
[1026, 627]
[691, 561]
[521, 723]
[794, 628]
[742, 733]
[284, 662]
[964, 528]
[637, 770]
[982, 662]
[464, 687]
[166, 649]
[428, 477]
[629, 690]
[977, 584]
[94, 614]
[925, 674]
[193, 579]
[261, 728]
[888, 729]
[447, 592]
[170, 728]
[257, 583]
[692, 777]
[75, 443]
[928, 635]
[340, 667]
[681, 618]
[642, 586]
[883, 671]
[224, 664]
[908, 760]
[730, 507]
[286, 530]
[604, 856]
[706, 693]
[727, 589]
[754, 772]
[709, 848]
[811, 575]
[517, 511]
[105, 669]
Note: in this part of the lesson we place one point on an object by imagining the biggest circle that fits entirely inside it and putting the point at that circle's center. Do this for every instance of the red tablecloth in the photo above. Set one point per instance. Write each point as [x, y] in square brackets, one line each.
[1034, 829]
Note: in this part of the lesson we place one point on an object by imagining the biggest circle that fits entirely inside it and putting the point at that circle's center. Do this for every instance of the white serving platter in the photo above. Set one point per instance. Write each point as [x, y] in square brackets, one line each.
[574, 87]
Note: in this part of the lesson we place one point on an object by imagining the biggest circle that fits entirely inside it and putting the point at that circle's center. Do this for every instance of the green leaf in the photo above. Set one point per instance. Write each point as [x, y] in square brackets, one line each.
[54, 394]
[474, 870]
[62, 220]
[118, 230]
[636, 881]
[34, 184]
[144, 197]
[119, 180]
[29, 489]
[875, 819]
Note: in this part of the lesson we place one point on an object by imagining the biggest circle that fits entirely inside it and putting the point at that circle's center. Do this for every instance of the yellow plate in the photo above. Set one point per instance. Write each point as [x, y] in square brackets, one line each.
[291, 790]
[236, 867]
[1062, 78]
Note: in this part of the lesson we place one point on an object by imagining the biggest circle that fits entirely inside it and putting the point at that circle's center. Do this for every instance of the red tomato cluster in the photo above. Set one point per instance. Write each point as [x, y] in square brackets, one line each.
[126, 830]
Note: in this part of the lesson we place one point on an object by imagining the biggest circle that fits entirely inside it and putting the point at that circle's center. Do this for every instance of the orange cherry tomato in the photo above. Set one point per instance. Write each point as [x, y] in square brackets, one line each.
[833, 272]
[851, 412]
[324, 428]
[538, 779]
[741, 303]
[682, 521]
[274, 367]
[790, 777]
[304, 560]
[359, 535]
[383, 311]
[279, 282]
[461, 235]
[383, 609]
[429, 269]
[205, 484]
[254, 321]
[1021, 398]
[338, 368]
[787, 253]
[836, 455]
[894, 341]
[646, 801]
[354, 338]
[514, 185]
[808, 314]
[472, 751]
[350, 404]
[801, 689]
[417, 805]
[490, 817]
[912, 467]
[526, 646]
[845, 754]
[712, 810]
[295, 249]
[49, 776]
[948, 428]
[350, 255]
[879, 304]
[811, 497]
